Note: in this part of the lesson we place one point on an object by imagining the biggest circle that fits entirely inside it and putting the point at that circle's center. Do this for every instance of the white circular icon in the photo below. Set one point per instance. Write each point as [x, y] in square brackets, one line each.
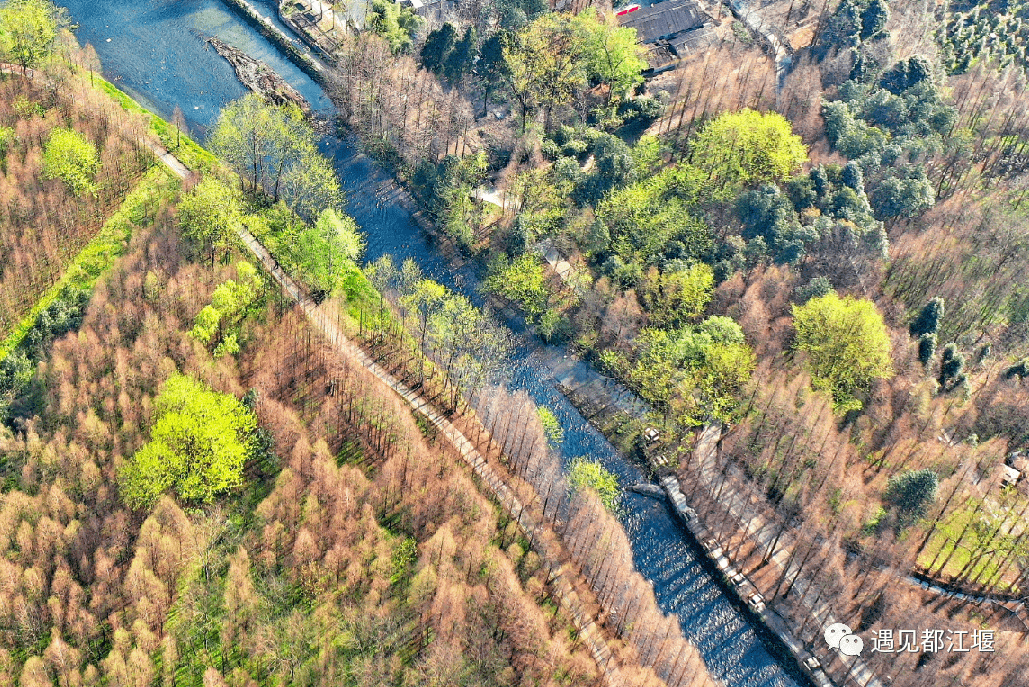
[851, 645]
[834, 633]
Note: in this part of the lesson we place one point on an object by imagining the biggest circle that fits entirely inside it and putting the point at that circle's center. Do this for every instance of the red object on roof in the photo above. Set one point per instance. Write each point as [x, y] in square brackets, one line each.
[627, 10]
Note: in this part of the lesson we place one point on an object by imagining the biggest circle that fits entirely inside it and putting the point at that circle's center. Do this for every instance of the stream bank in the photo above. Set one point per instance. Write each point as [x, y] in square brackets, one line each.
[156, 54]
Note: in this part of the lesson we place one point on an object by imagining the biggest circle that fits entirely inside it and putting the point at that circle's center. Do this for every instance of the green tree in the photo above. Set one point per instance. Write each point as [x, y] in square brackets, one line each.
[262, 142]
[6, 138]
[672, 297]
[458, 61]
[311, 185]
[437, 46]
[198, 446]
[324, 251]
[911, 493]
[874, 18]
[926, 348]
[230, 302]
[514, 14]
[28, 30]
[693, 373]
[740, 148]
[522, 281]
[395, 22]
[544, 64]
[846, 343]
[907, 74]
[209, 215]
[584, 473]
[928, 320]
[905, 196]
[491, 68]
[551, 426]
[612, 55]
[952, 368]
[653, 219]
[73, 159]
[597, 237]
[426, 298]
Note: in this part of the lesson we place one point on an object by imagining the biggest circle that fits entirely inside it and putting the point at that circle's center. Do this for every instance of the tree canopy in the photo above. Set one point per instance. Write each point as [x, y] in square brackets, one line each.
[70, 157]
[557, 56]
[209, 214]
[695, 372]
[745, 147]
[584, 473]
[198, 445]
[28, 29]
[846, 343]
[395, 22]
[273, 148]
[326, 249]
[543, 64]
[612, 55]
[521, 280]
[911, 493]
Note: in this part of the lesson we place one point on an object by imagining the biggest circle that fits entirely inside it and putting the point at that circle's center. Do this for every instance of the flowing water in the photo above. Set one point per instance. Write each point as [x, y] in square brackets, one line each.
[156, 52]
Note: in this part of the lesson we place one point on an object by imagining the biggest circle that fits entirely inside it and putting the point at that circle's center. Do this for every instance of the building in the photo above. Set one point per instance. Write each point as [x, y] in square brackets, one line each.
[671, 30]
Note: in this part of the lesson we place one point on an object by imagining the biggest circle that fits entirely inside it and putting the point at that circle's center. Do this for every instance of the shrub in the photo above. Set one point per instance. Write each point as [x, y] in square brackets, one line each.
[68, 156]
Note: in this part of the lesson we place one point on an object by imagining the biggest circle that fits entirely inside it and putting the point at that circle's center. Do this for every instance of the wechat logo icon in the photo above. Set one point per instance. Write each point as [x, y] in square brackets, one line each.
[839, 636]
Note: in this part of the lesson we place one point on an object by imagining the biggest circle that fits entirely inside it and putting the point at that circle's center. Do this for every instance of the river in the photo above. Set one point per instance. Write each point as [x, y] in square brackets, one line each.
[154, 50]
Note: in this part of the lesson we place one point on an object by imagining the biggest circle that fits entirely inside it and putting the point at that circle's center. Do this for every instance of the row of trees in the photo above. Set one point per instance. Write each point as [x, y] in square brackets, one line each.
[580, 512]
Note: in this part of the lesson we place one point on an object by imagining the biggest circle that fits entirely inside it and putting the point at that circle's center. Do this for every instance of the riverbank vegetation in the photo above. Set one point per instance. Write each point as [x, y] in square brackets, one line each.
[203, 490]
[829, 259]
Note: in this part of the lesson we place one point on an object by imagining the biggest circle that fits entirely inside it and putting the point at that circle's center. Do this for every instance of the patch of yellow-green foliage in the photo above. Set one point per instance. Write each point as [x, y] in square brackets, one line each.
[198, 446]
[745, 147]
[846, 343]
[70, 157]
[584, 473]
[551, 426]
[230, 303]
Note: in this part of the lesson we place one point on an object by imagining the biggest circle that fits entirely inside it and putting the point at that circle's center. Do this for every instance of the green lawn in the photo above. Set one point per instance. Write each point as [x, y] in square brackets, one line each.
[988, 555]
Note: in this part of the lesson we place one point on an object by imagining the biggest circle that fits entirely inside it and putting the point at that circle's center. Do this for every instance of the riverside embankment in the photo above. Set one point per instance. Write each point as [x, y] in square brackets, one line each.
[157, 54]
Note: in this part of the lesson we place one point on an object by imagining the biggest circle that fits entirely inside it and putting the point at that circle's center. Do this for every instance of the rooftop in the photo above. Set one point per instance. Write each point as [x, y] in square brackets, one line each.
[664, 20]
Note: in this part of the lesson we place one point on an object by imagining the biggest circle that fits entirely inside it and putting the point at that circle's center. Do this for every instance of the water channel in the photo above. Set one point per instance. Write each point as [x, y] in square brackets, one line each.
[155, 51]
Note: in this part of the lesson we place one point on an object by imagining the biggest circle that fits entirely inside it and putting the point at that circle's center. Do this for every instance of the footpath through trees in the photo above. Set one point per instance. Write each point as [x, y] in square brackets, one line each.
[585, 622]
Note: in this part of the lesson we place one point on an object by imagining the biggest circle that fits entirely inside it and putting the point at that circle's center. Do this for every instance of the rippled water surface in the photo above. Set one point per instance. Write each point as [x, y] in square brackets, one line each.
[156, 52]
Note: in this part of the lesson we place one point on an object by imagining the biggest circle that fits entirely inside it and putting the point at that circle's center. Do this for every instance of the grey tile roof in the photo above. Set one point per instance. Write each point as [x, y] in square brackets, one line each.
[664, 20]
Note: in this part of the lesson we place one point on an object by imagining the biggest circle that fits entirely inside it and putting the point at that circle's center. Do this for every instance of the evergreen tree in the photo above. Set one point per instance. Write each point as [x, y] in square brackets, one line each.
[458, 61]
[911, 493]
[926, 348]
[928, 320]
[491, 68]
[438, 45]
[874, 18]
[952, 368]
